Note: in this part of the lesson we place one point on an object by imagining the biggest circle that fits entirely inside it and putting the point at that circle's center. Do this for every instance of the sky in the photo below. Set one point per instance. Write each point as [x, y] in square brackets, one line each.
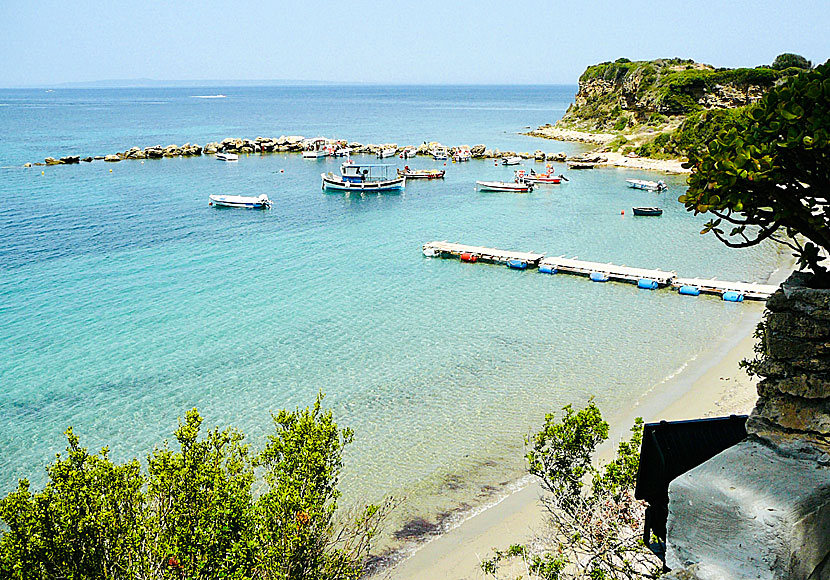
[421, 41]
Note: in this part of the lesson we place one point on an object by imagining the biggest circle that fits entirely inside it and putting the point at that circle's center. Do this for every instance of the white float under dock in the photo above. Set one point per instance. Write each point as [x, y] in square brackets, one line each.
[644, 278]
[712, 286]
[484, 254]
[613, 271]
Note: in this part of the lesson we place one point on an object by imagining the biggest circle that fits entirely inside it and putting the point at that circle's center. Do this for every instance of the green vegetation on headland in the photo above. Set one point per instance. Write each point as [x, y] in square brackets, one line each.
[666, 107]
[193, 512]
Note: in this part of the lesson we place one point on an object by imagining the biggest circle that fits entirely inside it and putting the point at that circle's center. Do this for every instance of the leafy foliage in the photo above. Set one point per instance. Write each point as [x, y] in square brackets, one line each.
[193, 514]
[594, 534]
[788, 60]
[766, 171]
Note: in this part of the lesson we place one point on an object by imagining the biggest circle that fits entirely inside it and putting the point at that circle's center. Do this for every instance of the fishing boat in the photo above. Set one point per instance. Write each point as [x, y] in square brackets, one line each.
[521, 187]
[342, 151]
[462, 154]
[387, 152]
[421, 173]
[363, 177]
[533, 177]
[409, 153]
[222, 156]
[431, 253]
[440, 152]
[581, 164]
[317, 148]
[653, 211]
[515, 160]
[247, 202]
[647, 185]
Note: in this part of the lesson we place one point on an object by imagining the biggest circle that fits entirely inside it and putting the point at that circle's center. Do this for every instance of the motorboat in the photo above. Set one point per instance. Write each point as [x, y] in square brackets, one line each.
[388, 152]
[317, 148]
[515, 160]
[421, 173]
[243, 201]
[363, 177]
[342, 151]
[409, 153]
[222, 156]
[440, 152]
[647, 211]
[462, 154]
[522, 187]
[533, 177]
[647, 185]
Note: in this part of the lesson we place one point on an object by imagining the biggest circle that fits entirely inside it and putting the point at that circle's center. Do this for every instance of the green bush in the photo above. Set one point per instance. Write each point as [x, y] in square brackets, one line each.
[193, 514]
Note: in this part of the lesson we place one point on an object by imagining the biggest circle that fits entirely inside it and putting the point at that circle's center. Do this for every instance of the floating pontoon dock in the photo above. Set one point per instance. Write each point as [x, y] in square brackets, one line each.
[484, 254]
[712, 286]
[613, 271]
[644, 278]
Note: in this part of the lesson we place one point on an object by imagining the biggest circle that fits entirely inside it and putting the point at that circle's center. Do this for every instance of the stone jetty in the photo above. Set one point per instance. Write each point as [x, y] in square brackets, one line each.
[285, 144]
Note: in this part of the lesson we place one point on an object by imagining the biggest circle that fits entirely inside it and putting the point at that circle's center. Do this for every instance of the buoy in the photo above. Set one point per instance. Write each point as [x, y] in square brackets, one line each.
[622, 212]
[142, 163]
[282, 170]
[445, 164]
[110, 170]
[210, 203]
[43, 173]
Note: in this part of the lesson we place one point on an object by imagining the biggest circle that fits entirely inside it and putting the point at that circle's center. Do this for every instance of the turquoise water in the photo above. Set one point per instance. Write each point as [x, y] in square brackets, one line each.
[125, 300]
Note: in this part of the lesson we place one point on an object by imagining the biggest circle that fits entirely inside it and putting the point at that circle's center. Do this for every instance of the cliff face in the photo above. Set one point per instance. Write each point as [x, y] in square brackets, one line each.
[621, 94]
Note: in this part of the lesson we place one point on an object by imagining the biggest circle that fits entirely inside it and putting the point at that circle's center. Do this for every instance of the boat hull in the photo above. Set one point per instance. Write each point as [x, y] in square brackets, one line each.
[647, 211]
[423, 174]
[333, 183]
[239, 201]
[504, 186]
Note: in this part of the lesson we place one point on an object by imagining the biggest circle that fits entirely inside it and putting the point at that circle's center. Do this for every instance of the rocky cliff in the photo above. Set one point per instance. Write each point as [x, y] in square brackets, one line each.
[622, 94]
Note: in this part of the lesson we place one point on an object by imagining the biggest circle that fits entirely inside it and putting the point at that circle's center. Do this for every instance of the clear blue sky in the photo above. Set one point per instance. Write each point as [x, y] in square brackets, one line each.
[418, 41]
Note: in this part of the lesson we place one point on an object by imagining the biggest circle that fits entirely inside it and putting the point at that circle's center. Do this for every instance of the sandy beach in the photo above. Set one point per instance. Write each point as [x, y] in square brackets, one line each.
[710, 385]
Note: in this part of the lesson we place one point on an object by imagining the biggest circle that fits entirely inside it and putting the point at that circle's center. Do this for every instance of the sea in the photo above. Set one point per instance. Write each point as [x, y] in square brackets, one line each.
[126, 300]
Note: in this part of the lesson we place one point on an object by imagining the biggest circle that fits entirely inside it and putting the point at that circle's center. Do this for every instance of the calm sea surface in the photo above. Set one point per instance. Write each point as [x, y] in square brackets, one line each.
[125, 300]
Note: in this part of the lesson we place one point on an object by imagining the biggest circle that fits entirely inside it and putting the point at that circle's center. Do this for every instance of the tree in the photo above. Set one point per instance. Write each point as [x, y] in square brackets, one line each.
[594, 533]
[766, 172]
[193, 514]
[790, 60]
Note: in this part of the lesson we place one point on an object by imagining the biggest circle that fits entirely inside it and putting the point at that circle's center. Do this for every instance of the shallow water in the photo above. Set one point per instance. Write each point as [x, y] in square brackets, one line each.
[125, 300]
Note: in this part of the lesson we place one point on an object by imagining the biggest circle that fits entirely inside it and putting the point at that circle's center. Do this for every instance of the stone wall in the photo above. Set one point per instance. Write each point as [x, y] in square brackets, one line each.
[794, 395]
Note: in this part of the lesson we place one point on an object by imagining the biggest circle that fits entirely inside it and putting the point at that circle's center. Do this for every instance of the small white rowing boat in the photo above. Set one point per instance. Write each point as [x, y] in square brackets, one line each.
[511, 160]
[647, 185]
[504, 186]
[222, 156]
[247, 202]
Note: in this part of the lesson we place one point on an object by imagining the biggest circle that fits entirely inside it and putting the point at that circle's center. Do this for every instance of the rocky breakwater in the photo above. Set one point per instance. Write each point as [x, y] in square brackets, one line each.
[761, 509]
[288, 144]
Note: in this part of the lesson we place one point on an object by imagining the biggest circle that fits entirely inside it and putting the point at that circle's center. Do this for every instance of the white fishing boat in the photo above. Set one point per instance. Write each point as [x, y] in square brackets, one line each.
[409, 153]
[521, 187]
[317, 148]
[462, 154]
[222, 156]
[342, 151]
[247, 202]
[387, 152]
[647, 185]
[363, 177]
[440, 152]
[515, 160]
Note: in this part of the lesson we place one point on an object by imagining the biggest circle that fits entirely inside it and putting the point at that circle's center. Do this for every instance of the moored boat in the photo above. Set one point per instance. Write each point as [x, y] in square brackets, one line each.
[222, 156]
[387, 152]
[515, 160]
[521, 187]
[647, 211]
[242, 201]
[647, 185]
[581, 164]
[532, 177]
[409, 153]
[317, 148]
[363, 177]
[462, 154]
[421, 173]
[440, 152]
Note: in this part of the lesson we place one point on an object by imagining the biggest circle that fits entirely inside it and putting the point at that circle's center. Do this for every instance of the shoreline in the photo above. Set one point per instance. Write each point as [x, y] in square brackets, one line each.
[608, 158]
[710, 384]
